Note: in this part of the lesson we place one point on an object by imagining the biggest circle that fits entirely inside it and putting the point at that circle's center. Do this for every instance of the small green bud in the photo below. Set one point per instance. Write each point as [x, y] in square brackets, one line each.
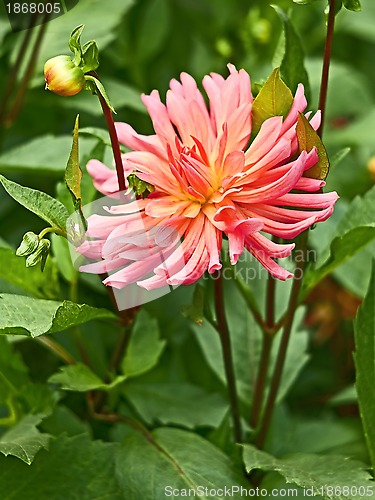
[29, 244]
[40, 254]
[63, 77]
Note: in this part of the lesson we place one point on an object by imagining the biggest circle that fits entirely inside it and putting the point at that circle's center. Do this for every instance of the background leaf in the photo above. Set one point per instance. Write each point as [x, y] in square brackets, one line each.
[311, 471]
[28, 316]
[144, 348]
[365, 364]
[292, 66]
[24, 440]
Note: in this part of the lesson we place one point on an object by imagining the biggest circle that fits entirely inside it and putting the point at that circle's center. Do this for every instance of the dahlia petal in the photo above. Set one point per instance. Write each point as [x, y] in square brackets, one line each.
[104, 178]
[160, 119]
[166, 206]
[307, 184]
[265, 140]
[213, 244]
[129, 137]
[316, 200]
[298, 106]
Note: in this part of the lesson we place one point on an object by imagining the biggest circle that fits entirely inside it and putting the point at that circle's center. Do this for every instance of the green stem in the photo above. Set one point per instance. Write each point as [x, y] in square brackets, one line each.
[267, 341]
[326, 64]
[260, 384]
[280, 361]
[55, 230]
[57, 349]
[223, 330]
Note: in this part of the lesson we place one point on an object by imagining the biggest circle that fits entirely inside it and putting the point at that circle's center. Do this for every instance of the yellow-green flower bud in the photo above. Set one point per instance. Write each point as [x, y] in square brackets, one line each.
[40, 254]
[63, 77]
[29, 244]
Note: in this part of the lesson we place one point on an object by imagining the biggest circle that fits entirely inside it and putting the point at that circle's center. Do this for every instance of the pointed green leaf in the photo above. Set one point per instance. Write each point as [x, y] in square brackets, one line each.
[274, 99]
[80, 378]
[145, 347]
[73, 175]
[292, 67]
[21, 315]
[307, 140]
[41, 204]
[24, 440]
[73, 172]
[312, 471]
[365, 364]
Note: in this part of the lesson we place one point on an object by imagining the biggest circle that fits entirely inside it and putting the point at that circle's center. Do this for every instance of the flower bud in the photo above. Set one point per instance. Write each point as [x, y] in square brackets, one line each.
[29, 244]
[40, 254]
[63, 77]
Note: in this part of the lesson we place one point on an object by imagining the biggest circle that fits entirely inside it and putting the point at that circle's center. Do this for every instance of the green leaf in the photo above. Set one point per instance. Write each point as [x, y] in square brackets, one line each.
[274, 99]
[171, 403]
[355, 230]
[177, 459]
[24, 440]
[73, 172]
[80, 378]
[365, 364]
[41, 204]
[73, 466]
[75, 43]
[73, 176]
[96, 87]
[90, 56]
[311, 471]
[354, 5]
[21, 315]
[44, 155]
[307, 140]
[292, 67]
[40, 285]
[145, 347]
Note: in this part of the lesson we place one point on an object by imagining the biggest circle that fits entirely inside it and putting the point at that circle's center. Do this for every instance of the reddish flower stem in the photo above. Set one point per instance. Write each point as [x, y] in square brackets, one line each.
[223, 330]
[114, 139]
[326, 64]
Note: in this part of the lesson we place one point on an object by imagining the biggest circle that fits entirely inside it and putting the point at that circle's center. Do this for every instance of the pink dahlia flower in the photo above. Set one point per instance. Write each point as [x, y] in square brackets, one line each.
[209, 182]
